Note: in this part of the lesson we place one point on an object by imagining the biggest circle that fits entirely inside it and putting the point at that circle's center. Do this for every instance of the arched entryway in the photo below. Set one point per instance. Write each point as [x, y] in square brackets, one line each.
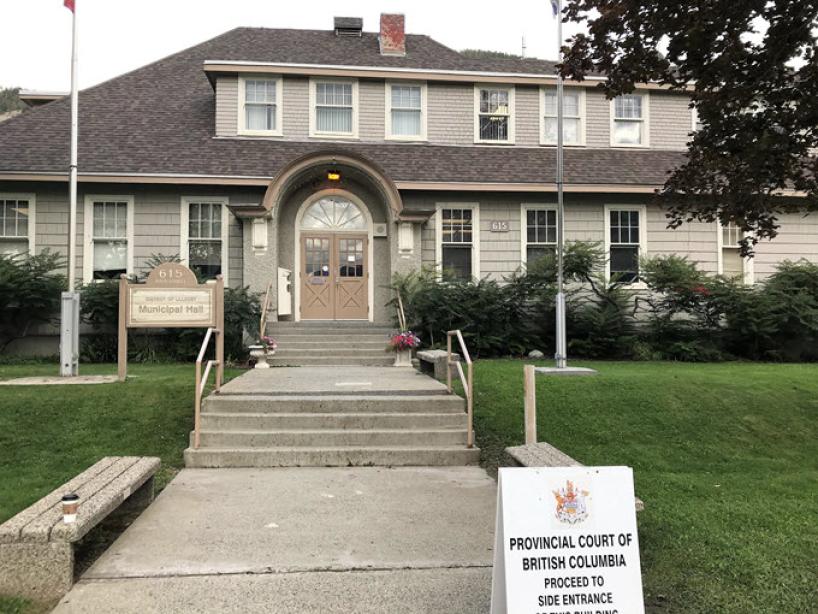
[333, 249]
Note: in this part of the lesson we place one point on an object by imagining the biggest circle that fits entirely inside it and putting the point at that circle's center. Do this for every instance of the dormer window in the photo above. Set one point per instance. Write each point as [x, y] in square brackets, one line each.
[260, 106]
[334, 108]
[494, 114]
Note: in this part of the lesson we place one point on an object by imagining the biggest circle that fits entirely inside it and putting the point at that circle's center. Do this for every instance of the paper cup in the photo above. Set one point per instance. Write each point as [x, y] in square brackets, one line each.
[70, 503]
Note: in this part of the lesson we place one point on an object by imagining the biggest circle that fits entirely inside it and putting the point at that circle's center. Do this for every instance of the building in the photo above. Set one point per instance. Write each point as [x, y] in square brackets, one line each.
[324, 161]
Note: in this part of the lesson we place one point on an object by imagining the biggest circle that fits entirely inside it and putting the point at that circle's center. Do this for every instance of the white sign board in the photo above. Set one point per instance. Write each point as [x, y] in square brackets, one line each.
[566, 542]
[158, 306]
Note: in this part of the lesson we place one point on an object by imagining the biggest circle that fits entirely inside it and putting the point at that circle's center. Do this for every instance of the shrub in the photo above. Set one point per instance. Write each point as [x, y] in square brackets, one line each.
[30, 290]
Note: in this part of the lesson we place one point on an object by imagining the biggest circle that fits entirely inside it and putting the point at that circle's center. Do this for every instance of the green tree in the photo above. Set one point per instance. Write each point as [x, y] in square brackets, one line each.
[10, 100]
[752, 73]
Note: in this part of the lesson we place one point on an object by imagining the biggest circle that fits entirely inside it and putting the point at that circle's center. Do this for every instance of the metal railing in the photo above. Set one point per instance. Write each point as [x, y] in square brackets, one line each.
[201, 381]
[467, 381]
[401, 312]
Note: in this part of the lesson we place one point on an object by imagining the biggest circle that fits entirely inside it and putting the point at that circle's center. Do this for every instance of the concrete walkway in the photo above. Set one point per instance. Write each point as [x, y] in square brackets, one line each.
[363, 539]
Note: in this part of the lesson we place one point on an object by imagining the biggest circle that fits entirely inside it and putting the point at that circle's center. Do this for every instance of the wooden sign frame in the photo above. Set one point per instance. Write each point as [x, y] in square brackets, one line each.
[175, 293]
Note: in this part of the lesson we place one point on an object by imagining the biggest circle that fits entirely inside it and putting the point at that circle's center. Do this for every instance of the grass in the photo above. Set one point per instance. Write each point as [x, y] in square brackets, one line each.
[725, 457]
[49, 434]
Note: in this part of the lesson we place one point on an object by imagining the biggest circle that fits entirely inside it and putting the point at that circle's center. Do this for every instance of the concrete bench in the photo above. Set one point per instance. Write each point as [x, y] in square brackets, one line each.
[37, 547]
[546, 455]
[434, 361]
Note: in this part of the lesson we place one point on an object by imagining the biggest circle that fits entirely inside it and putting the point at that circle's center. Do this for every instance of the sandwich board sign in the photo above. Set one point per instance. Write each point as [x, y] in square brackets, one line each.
[566, 542]
[171, 297]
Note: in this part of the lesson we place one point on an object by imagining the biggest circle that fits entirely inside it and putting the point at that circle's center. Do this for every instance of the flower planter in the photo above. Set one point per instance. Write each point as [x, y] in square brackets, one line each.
[403, 358]
[259, 353]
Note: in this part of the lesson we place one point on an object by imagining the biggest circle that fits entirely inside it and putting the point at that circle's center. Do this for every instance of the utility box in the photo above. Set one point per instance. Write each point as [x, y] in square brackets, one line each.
[69, 334]
[285, 292]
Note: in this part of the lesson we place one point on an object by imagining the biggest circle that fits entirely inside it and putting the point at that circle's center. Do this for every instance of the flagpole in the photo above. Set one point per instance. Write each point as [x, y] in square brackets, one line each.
[70, 300]
[72, 216]
[561, 356]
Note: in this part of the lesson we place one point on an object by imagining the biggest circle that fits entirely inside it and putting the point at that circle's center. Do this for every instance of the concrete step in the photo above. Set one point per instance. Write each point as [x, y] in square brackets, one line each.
[323, 324]
[300, 360]
[332, 457]
[303, 421]
[335, 403]
[331, 339]
[312, 352]
[323, 344]
[330, 438]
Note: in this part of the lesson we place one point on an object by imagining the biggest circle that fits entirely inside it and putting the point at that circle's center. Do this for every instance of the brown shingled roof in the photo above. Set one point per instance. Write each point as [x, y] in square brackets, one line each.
[160, 119]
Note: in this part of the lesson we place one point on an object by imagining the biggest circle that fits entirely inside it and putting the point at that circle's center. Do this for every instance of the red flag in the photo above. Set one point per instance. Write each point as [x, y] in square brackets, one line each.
[69, 4]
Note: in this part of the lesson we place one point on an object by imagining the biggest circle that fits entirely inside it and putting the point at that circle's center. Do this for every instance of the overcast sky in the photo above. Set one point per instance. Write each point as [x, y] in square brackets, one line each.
[116, 36]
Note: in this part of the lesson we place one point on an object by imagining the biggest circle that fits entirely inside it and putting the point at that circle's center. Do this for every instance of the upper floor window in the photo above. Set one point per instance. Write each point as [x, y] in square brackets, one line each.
[573, 112]
[405, 111]
[334, 108]
[494, 114]
[625, 242]
[629, 126]
[458, 240]
[204, 236]
[16, 224]
[108, 229]
[695, 120]
[260, 106]
[539, 232]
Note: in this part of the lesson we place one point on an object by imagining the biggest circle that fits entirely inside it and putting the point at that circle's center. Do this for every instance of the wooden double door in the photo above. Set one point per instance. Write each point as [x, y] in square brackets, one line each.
[334, 276]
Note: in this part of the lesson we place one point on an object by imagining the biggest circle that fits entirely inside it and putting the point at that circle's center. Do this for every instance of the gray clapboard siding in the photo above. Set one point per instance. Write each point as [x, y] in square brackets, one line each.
[597, 119]
[296, 112]
[527, 120]
[797, 238]
[450, 111]
[372, 109]
[227, 106]
[671, 120]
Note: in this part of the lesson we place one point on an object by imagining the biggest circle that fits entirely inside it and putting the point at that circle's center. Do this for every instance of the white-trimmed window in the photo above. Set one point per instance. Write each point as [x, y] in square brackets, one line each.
[108, 230]
[406, 111]
[334, 108]
[696, 123]
[493, 114]
[260, 106]
[573, 123]
[539, 232]
[458, 239]
[730, 261]
[625, 241]
[204, 236]
[17, 223]
[629, 120]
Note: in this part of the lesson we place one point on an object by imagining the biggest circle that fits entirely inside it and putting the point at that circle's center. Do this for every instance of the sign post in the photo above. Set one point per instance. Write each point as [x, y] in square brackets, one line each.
[566, 542]
[171, 297]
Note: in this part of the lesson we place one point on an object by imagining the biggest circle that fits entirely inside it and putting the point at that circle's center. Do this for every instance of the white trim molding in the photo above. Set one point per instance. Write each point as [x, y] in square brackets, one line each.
[32, 219]
[524, 209]
[241, 128]
[388, 111]
[475, 235]
[645, 119]
[88, 232]
[747, 269]
[512, 119]
[643, 238]
[583, 116]
[184, 229]
[314, 132]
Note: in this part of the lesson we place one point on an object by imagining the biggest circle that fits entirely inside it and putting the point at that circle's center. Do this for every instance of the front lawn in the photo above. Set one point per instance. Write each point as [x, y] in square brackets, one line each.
[49, 434]
[725, 457]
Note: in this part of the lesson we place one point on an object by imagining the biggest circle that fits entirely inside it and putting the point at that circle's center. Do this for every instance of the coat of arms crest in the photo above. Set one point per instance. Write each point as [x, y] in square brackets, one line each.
[571, 505]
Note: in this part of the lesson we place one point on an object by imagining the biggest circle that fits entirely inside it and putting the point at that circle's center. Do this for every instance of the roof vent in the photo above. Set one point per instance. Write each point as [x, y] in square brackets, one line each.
[348, 26]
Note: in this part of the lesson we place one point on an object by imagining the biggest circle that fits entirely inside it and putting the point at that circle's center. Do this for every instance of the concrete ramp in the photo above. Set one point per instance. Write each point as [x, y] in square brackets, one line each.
[303, 540]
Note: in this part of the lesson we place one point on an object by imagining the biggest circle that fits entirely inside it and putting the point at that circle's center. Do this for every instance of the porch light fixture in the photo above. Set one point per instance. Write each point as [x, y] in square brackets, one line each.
[334, 175]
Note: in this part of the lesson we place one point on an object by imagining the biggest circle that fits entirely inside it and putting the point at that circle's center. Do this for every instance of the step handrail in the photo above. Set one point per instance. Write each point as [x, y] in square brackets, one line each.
[201, 382]
[468, 382]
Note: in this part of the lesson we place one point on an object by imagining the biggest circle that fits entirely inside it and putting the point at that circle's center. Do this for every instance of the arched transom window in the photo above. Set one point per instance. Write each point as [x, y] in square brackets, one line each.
[333, 213]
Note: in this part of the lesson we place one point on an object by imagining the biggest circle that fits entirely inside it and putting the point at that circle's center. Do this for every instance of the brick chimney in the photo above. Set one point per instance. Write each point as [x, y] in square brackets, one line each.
[393, 36]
